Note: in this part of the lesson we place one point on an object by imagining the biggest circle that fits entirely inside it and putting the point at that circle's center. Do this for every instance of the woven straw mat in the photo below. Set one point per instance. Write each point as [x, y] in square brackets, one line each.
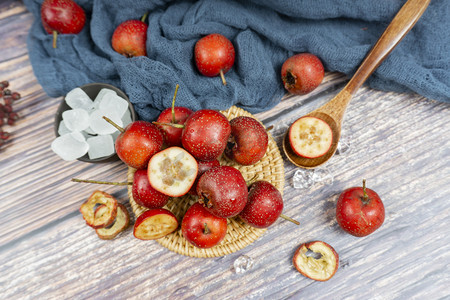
[239, 235]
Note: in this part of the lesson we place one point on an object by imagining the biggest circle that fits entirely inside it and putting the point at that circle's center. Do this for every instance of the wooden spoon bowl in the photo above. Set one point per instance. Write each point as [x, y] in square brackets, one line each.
[333, 111]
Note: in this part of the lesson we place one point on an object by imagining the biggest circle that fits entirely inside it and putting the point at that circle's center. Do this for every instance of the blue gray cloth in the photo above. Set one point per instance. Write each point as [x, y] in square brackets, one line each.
[264, 33]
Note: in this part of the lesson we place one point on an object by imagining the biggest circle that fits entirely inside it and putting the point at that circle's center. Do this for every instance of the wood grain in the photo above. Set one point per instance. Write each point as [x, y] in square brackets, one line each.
[399, 142]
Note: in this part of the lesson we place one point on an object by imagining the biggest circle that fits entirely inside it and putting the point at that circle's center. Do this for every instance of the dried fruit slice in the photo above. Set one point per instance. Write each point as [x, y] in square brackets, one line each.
[316, 260]
[172, 171]
[98, 198]
[154, 224]
[310, 137]
[121, 222]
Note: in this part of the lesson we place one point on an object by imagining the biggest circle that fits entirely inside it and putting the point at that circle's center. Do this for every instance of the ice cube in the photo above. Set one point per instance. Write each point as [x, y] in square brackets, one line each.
[100, 146]
[126, 118]
[100, 125]
[113, 103]
[62, 128]
[70, 146]
[77, 98]
[76, 119]
[104, 92]
[115, 135]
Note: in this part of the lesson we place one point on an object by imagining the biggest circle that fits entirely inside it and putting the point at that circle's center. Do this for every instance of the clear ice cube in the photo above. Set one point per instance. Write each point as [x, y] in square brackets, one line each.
[104, 92]
[77, 98]
[126, 118]
[76, 119]
[304, 178]
[70, 146]
[242, 264]
[113, 103]
[62, 128]
[100, 125]
[100, 146]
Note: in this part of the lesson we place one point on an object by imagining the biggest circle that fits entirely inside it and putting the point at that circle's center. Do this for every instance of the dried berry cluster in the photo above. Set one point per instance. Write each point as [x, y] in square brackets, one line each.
[7, 114]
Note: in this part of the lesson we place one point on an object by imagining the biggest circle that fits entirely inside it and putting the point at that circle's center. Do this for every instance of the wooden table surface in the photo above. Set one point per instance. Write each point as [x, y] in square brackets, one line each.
[400, 143]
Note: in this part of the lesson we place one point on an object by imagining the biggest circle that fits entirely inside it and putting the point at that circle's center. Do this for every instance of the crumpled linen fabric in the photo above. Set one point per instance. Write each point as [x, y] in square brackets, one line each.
[264, 33]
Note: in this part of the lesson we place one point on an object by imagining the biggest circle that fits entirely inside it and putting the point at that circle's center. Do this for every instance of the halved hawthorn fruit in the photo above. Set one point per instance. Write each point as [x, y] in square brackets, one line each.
[154, 224]
[97, 198]
[172, 171]
[316, 260]
[120, 223]
[310, 137]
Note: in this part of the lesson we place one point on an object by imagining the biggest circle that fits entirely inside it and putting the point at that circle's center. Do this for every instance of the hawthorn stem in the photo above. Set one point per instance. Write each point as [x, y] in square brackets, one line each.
[113, 124]
[144, 17]
[365, 196]
[55, 37]
[252, 180]
[206, 229]
[173, 104]
[223, 77]
[269, 128]
[169, 124]
[290, 219]
[100, 182]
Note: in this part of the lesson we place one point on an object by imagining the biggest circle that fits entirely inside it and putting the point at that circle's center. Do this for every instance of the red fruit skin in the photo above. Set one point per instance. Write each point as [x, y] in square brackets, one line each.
[144, 194]
[357, 217]
[172, 135]
[264, 205]
[214, 53]
[138, 143]
[63, 16]
[193, 227]
[205, 134]
[248, 141]
[302, 73]
[129, 38]
[223, 191]
[203, 166]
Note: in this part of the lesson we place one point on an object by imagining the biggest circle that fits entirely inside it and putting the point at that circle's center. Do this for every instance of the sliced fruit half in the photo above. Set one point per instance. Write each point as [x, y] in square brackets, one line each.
[310, 137]
[172, 171]
[154, 224]
[97, 198]
[316, 260]
[121, 222]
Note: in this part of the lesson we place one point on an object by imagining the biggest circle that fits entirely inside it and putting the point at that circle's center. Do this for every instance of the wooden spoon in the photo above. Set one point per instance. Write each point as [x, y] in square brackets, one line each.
[333, 111]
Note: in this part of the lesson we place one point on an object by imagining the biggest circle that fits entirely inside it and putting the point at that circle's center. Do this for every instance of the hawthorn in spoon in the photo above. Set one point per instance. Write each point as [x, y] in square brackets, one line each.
[332, 112]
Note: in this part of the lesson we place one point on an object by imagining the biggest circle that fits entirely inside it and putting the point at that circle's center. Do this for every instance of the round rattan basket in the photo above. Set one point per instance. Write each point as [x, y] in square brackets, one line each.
[239, 235]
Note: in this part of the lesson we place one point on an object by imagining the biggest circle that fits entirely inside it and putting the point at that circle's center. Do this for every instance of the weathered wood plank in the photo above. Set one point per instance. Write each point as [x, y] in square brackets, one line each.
[400, 143]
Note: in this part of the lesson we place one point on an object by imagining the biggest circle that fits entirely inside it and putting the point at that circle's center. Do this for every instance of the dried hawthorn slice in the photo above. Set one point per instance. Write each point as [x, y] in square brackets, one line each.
[172, 171]
[310, 137]
[154, 224]
[316, 260]
[98, 198]
[120, 223]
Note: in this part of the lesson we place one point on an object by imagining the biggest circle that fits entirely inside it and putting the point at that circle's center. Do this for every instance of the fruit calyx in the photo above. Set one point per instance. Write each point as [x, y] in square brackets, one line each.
[205, 201]
[289, 79]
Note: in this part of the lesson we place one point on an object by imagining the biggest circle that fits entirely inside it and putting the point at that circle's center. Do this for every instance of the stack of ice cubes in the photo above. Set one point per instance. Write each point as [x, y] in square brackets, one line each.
[84, 130]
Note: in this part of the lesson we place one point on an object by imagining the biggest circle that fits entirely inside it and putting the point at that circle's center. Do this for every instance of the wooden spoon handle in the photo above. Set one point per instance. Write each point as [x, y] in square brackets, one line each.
[402, 23]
